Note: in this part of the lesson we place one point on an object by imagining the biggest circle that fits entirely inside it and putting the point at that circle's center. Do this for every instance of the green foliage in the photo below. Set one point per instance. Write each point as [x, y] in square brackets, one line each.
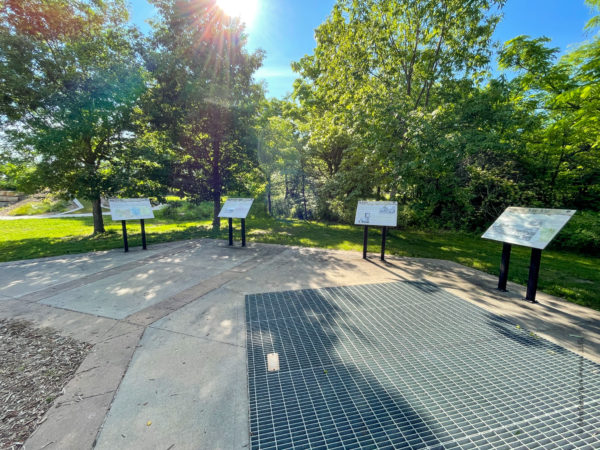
[581, 234]
[371, 93]
[7, 177]
[563, 153]
[395, 103]
[203, 97]
[283, 161]
[185, 210]
[75, 118]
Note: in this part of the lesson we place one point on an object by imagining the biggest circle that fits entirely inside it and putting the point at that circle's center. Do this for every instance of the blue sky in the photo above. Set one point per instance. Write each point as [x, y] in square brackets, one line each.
[285, 29]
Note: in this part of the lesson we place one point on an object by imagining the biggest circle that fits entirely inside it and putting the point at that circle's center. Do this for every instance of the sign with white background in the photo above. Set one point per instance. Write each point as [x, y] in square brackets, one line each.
[130, 208]
[530, 227]
[236, 208]
[381, 214]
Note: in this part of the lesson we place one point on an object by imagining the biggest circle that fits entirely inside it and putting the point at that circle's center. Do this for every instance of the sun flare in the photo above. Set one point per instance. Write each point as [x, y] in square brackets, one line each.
[244, 9]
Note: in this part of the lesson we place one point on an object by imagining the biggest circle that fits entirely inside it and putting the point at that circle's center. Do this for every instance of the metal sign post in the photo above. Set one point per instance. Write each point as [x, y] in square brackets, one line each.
[143, 234]
[534, 273]
[230, 220]
[243, 232]
[125, 243]
[504, 263]
[365, 240]
[383, 233]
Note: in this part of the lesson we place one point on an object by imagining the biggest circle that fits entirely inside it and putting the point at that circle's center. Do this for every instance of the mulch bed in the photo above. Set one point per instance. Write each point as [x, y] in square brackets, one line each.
[35, 365]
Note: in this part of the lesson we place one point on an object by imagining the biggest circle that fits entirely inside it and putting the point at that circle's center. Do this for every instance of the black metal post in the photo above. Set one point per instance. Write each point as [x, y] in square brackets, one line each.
[365, 238]
[230, 231]
[383, 233]
[534, 273]
[143, 234]
[125, 243]
[504, 267]
[243, 232]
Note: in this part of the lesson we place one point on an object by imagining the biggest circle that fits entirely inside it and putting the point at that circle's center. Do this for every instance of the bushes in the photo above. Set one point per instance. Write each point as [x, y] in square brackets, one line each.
[581, 234]
[185, 210]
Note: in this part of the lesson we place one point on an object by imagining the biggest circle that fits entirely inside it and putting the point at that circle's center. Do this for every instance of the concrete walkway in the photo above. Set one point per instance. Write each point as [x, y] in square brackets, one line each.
[49, 216]
[168, 366]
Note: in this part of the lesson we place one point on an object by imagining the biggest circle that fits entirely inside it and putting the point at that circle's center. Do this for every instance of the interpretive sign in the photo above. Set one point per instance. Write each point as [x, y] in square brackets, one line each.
[529, 227]
[125, 209]
[130, 208]
[236, 208]
[378, 214]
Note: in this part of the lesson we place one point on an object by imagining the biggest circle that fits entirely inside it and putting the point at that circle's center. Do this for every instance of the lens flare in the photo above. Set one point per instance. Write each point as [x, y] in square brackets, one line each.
[245, 10]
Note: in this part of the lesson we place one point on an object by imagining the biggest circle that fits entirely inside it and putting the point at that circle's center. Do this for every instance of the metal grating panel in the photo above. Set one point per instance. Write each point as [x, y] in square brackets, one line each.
[408, 365]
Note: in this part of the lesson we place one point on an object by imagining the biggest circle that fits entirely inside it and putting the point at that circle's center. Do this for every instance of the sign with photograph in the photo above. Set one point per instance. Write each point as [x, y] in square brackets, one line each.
[530, 227]
[236, 208]
[130, 208]
[379, 214]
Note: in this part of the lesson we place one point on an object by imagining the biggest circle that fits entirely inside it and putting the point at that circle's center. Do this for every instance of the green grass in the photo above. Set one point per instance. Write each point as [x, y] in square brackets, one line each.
[571, 276]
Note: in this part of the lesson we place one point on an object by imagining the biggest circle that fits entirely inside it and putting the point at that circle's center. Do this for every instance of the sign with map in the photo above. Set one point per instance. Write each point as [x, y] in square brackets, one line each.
[379, 214]
[530, 227]
[236, 208]
[130, 208]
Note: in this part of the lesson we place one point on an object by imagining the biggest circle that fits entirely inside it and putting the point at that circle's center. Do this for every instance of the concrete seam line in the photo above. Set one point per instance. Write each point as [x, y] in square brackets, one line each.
[55, 289]
[161, 309]
[204, 338]
[116, 391]
[89, 377]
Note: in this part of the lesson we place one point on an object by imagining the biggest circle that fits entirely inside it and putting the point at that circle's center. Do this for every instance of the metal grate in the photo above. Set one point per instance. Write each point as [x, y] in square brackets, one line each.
[408, 365]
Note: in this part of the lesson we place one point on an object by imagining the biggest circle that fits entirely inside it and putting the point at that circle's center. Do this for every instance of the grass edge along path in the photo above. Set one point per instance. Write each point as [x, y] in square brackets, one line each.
[571, 276]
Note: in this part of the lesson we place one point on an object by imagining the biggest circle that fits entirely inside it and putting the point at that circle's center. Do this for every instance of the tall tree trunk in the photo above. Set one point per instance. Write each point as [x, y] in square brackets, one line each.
[216, 185]
[304, 190]
[304, 199]
[216, 208]
[269, 196]
[97, 213]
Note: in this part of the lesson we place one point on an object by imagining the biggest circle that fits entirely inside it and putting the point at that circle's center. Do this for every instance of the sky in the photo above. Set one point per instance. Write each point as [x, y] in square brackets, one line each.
[284, 29]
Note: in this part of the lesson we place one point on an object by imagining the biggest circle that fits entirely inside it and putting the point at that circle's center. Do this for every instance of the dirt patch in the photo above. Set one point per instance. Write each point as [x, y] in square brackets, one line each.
[36, 365]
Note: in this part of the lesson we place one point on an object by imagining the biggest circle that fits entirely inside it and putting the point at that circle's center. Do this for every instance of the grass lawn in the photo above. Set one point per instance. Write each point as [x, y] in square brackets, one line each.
[571, 276]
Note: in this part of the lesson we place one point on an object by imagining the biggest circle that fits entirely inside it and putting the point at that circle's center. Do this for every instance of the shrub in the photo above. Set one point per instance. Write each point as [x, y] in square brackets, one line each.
[185, 210]
[581, 234]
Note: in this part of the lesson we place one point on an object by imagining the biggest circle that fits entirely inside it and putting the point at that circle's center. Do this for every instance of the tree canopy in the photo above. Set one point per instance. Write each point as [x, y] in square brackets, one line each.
[398, 101]
[71, 81]
[204, 97]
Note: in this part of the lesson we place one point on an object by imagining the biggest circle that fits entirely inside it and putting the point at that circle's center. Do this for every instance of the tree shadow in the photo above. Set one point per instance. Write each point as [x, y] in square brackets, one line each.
[450, 373]
[515, 333]
[329, 390]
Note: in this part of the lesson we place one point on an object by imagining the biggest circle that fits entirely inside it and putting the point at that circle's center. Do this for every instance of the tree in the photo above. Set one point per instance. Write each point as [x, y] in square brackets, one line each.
[467, 157]
[374, 79]
[71, 80]
[564, 153]
[204, 96]
[277, 151]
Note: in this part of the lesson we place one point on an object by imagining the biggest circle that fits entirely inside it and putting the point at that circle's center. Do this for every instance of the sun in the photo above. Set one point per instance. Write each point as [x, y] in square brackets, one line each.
[244, 9]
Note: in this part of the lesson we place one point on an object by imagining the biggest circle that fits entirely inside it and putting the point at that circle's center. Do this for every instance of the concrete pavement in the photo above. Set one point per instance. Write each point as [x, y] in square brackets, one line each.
[168, 366]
